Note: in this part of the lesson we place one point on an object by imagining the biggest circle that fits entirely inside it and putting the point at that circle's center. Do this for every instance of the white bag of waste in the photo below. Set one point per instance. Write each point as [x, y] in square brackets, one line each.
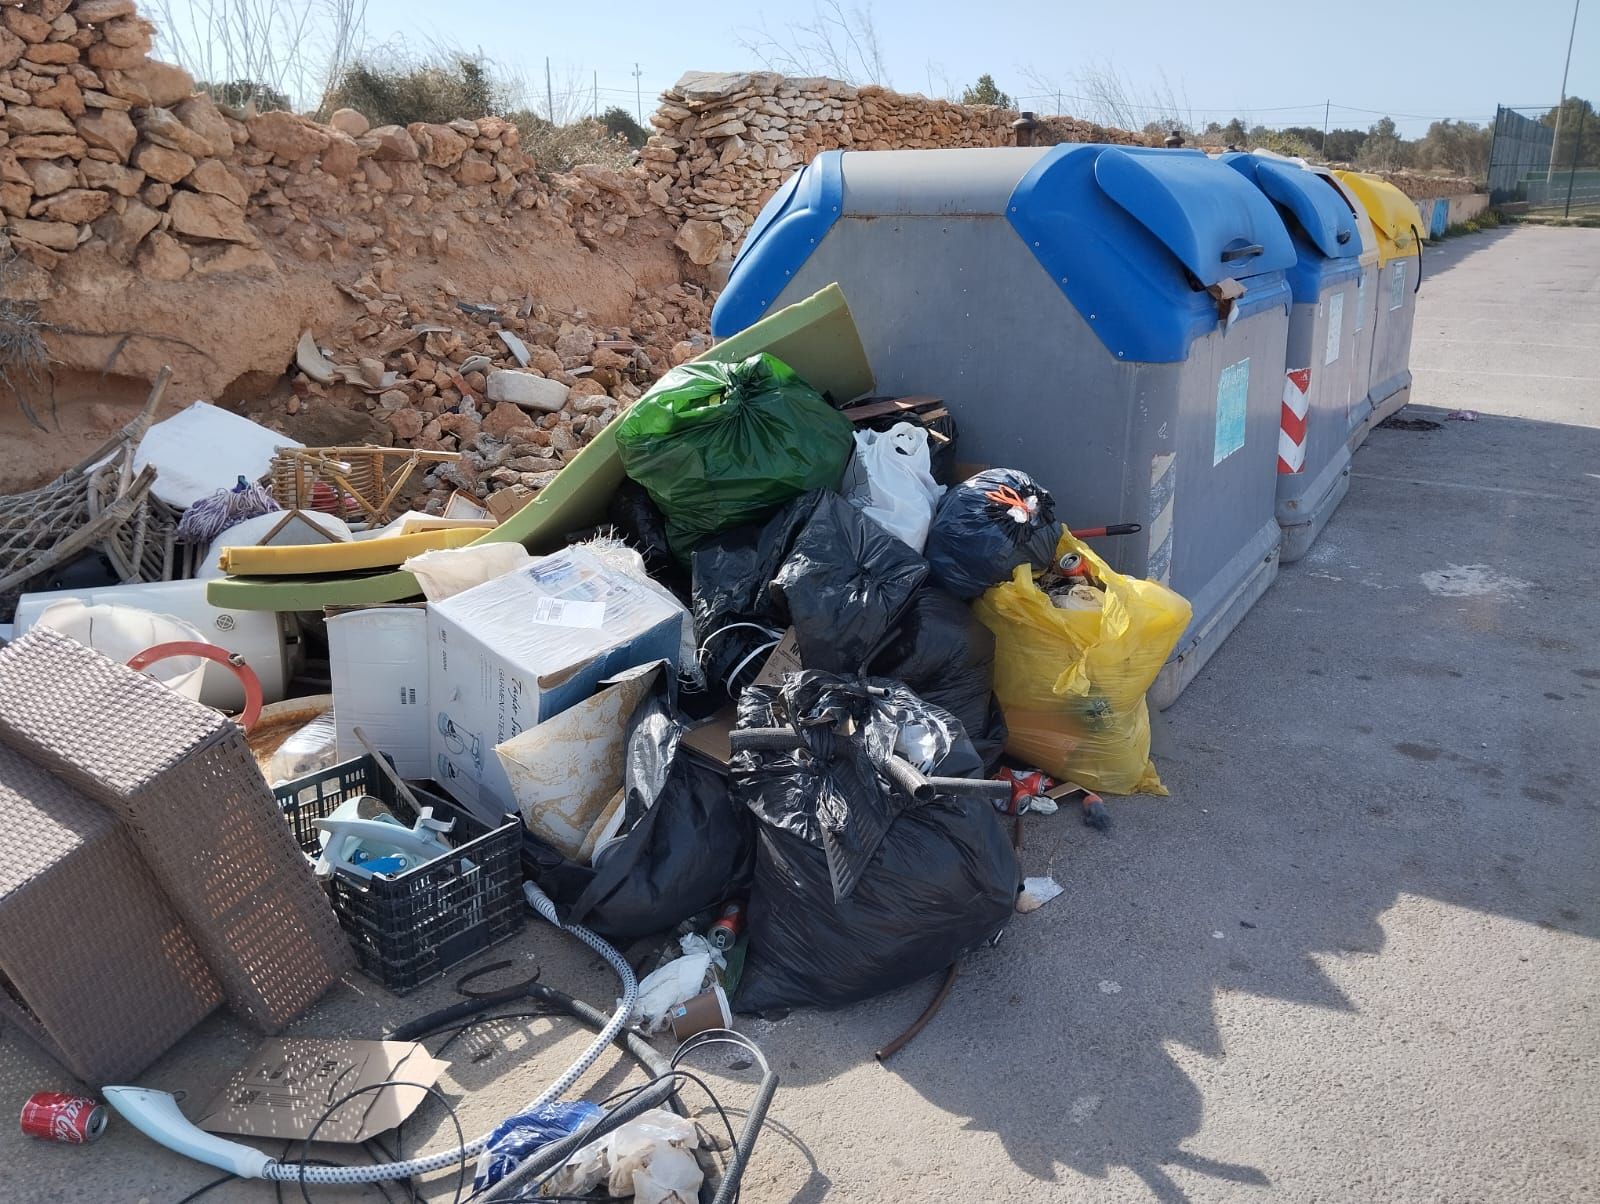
[889, 479]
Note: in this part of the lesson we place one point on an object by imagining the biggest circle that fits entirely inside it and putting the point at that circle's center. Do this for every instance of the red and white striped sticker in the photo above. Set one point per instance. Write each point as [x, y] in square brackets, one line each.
[1292, 424]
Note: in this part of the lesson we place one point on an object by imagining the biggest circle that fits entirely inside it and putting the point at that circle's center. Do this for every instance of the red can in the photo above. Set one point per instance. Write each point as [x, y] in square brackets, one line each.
[725, 932]
[56, 1116]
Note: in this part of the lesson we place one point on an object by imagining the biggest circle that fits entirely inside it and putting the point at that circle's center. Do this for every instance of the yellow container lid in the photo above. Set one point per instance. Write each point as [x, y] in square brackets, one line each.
[1394, 217]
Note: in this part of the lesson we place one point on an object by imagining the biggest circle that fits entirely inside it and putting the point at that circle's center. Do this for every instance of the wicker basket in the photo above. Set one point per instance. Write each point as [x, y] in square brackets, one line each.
[351, 482]
[95, 965]
[183, 782]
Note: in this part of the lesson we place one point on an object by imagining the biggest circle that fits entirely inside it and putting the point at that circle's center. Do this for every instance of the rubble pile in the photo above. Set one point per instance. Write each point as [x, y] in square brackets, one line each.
[726, 140]
[516, 386]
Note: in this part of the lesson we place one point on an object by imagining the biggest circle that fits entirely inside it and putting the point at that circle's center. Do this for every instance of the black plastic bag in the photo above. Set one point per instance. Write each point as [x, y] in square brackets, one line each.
[988, 525]
[946, 656]
[642, 525]
[859, 889]
[736, 618]
[687, 846]
[843, 585]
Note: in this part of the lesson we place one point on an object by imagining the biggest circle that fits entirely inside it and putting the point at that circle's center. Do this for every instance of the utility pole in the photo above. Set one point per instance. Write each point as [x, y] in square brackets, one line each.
[596, 103]
[638, 97]
[1565, 67]
[1326, 105]
[549, 94]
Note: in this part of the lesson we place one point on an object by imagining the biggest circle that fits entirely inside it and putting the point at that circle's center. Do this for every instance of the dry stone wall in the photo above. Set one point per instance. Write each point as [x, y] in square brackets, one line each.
[724, 141]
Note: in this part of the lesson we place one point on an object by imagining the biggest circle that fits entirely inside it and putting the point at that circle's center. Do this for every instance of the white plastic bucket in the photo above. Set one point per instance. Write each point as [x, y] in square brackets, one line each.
[122, 632]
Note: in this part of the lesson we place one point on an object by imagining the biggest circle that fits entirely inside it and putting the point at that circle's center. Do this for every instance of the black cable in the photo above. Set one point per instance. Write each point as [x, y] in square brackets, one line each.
[461, 1136]
[200, 1191]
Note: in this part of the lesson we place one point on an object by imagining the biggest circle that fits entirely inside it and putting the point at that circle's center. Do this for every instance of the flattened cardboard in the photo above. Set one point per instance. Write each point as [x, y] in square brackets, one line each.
[785, 658]
[288, 1083]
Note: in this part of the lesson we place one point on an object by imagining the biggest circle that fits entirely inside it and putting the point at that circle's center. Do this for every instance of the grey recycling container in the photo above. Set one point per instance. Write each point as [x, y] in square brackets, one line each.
[1398, 229]
[1321, 370]
[1359, 412]
[1111, 320]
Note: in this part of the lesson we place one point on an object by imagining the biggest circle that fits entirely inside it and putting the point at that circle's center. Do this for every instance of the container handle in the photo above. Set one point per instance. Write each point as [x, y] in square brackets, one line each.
[1417, 238]
[1246, 252]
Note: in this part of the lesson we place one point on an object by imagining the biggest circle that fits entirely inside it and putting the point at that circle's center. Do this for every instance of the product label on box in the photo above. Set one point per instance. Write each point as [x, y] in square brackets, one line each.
[568, 612]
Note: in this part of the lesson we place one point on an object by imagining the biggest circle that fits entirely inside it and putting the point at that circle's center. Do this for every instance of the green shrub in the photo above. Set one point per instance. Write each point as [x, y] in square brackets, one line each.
[402, 90]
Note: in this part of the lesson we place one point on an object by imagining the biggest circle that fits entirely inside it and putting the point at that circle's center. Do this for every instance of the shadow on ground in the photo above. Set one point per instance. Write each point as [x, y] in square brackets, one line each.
[1365, 734]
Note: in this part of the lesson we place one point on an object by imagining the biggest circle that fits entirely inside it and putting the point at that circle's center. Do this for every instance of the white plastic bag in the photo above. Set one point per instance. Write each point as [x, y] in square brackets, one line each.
[680, 979]
[648, 1158]
[445, 572]
[890, 481]
[309, 748]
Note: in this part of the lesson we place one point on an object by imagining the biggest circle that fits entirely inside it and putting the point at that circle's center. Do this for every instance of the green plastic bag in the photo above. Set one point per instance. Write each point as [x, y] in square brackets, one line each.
[717, 445]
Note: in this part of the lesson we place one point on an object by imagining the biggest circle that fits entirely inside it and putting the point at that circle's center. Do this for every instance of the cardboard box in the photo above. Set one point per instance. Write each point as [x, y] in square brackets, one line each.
[288, 1083]
[378, 660]
[512, 652]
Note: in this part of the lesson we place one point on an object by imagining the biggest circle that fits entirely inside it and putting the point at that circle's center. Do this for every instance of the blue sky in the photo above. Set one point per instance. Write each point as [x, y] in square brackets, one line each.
[1276, 60]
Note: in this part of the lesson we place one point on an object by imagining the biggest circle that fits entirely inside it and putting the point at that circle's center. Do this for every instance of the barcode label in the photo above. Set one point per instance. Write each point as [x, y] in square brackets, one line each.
[564, 612]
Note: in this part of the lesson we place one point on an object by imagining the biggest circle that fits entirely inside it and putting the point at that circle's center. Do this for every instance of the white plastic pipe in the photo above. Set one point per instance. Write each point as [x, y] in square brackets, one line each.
[156, 1114]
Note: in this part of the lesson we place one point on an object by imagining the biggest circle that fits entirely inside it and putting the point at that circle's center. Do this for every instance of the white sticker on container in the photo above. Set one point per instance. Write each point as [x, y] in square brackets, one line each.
[1233, 394]
[1397, 285]
[1361, 303]
[567, 612]
[1335, 327]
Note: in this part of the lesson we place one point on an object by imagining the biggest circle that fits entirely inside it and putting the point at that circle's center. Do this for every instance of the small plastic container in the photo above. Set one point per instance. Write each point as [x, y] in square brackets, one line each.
[412, 927]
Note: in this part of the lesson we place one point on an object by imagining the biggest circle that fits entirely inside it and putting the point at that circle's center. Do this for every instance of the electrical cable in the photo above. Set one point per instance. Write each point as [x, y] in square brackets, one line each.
[200, 1191]
[304, 1164]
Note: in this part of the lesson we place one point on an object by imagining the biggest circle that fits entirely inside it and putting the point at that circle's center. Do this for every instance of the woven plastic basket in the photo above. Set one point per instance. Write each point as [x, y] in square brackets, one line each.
[182, 781]
[95, 965]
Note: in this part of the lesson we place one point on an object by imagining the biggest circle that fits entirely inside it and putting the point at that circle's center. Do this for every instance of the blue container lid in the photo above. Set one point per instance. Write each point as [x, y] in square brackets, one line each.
[786, 231]
[1326, 240]
[1134, 235]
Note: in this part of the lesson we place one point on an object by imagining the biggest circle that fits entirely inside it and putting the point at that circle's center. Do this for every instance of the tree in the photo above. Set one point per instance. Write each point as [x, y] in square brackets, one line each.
[1384, 147]
[620, 122]
[838, 41]
[238, 93]
[986, 92]
[1343, 146]
[1458, 147]
[1234, 133]
[1578, 117]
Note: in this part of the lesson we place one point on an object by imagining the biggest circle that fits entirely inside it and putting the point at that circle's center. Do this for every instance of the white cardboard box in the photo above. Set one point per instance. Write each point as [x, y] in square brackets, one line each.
[510, 653]
[379, 664]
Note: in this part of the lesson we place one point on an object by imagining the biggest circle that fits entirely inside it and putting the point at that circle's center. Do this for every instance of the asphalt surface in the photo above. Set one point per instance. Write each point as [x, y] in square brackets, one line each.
[1352, 958]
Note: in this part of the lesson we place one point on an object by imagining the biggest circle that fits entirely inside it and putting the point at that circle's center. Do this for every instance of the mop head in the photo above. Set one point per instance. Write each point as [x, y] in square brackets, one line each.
[211, 516]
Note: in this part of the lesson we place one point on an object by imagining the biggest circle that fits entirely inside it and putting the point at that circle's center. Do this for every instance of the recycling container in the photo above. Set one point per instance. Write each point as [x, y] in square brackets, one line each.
[1111, 320]
[1321, 370]
[1398, 228]
[1360, 405]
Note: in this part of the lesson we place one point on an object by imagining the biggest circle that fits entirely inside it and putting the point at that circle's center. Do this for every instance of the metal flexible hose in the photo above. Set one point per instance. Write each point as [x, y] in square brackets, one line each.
[541, 903]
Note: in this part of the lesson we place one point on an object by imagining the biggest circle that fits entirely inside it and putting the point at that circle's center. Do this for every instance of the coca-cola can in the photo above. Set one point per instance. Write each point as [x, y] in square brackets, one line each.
[57, 1116]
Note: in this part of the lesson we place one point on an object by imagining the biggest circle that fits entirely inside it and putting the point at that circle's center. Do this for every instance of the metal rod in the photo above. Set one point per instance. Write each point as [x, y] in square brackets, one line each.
[1572, 173]
[388, 772]
[921, 1022]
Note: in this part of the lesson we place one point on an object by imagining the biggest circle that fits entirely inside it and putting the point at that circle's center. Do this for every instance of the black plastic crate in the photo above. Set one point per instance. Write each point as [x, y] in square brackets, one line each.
[414, 926]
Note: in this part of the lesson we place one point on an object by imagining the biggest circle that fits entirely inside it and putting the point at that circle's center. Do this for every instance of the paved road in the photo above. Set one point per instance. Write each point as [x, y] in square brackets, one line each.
[1353, 958]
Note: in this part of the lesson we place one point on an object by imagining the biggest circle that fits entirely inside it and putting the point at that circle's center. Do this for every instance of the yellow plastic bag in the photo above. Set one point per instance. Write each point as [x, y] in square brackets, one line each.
[1072, 682]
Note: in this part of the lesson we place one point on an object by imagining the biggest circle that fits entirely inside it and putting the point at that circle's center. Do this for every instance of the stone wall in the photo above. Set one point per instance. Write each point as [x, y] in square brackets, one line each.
[726, 140]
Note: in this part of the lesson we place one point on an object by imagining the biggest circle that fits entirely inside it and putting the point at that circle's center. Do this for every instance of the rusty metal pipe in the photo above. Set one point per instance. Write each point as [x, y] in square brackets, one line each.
[921, 1022]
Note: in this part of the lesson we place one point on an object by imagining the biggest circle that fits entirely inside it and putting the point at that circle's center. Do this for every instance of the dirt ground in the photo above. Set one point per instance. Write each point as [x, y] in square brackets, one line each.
[1352, 958]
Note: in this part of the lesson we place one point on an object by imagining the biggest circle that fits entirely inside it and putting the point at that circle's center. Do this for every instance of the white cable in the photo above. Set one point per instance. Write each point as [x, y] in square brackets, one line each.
[540, 902]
